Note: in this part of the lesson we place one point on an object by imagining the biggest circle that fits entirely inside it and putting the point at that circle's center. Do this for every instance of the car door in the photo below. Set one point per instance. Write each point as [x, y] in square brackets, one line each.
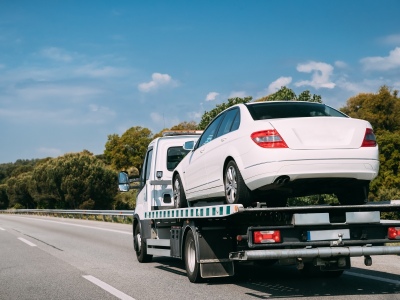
[218, 151]
[196, 181]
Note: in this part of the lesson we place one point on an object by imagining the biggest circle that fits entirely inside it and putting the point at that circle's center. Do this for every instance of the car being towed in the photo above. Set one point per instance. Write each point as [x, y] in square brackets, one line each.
[269, 151]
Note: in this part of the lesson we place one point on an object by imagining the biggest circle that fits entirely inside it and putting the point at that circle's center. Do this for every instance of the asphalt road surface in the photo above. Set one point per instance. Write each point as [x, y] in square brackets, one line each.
[55, 258]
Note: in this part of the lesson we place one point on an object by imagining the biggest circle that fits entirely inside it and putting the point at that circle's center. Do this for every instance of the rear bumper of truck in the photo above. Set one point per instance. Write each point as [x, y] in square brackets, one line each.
[323, 252]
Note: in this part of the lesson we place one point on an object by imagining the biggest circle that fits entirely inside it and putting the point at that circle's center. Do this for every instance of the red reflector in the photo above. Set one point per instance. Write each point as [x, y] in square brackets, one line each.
[369, 138]
[266, 237]
[394, 233]
[268, 139]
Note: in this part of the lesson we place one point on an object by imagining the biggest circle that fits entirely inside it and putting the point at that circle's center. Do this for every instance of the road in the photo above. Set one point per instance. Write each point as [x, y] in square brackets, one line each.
[55, 258]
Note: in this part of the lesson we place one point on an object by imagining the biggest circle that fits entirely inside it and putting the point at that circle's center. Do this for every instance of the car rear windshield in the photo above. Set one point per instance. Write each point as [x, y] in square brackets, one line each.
[277, 110]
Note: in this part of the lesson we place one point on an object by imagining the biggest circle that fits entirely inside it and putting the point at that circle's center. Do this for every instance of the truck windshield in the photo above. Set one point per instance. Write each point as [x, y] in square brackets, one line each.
[174, 156]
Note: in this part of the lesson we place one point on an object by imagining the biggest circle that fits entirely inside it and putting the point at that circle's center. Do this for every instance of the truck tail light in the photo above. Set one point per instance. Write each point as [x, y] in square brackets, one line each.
[394, 233]
[268, 139]
[266, 237]
[369, 138]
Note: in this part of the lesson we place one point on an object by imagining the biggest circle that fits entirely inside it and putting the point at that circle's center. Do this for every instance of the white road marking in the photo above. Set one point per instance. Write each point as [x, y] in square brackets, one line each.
[27, 242]
[2, 229]
[373, 277]
[108, 288]
[76, 225]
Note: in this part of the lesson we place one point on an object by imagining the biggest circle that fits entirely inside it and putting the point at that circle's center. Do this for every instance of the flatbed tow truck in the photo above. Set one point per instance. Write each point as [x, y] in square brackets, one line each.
[213, 238]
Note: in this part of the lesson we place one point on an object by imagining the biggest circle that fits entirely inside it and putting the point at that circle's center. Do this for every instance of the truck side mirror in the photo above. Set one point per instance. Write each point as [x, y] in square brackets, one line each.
[123, 182]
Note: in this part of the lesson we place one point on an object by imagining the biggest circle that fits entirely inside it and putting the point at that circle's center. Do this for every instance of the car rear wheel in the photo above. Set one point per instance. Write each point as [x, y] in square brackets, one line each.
[236, 190]
[354, 195]
[179, 193]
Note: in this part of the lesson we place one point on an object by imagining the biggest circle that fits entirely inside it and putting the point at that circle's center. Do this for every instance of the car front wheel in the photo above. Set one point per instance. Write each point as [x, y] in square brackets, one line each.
[179, 193]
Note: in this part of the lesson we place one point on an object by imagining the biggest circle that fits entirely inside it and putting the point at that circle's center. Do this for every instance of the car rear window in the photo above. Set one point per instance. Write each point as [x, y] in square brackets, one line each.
[277, 110]
[174, 156]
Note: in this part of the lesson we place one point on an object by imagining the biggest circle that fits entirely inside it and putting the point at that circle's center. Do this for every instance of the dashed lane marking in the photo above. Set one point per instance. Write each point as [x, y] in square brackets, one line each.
[27, 242]
[108, 288]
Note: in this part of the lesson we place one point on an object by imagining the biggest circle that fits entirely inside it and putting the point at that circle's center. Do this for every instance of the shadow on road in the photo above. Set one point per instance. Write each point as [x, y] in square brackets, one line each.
[287, 282]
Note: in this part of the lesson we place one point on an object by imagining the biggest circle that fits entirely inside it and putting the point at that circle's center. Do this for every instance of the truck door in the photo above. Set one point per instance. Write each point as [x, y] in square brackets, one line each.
[143, 200]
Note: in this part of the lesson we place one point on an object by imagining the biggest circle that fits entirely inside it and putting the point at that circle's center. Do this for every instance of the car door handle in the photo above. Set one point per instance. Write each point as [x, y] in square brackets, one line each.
[223, 139]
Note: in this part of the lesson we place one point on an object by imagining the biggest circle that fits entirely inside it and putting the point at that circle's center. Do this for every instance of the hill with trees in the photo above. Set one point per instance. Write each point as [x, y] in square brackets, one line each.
[85, 181]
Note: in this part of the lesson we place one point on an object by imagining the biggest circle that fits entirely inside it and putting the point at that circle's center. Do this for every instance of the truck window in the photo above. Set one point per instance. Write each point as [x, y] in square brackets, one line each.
[174, 156]
[146, 167]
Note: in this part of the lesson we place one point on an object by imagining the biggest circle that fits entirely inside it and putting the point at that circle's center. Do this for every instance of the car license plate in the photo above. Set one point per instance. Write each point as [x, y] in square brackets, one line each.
[327, 235]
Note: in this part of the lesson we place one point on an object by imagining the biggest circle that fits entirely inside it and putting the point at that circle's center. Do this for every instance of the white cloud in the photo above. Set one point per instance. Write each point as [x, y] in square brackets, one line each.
[321, 73]
[340, 64]
[238, 94]
[393, 39]
[277, 84]
[56, 54]
[379, 63]
[211, 96]
[158, 80]
[364, 86]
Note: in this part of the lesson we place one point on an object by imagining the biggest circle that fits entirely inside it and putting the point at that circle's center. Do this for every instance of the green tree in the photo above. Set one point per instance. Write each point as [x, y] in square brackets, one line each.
[208, 116]
[18, 191]
[128, 150]
[284, 93]
[381, 109]
[75, 180]
[3, 196]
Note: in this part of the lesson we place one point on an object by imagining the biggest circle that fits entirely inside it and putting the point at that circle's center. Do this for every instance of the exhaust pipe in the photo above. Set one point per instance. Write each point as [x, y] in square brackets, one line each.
[282, 180]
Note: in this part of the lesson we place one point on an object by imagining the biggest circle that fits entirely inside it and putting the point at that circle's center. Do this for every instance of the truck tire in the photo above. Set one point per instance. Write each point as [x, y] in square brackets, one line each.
[191, 264]
[236, 190]
[140, 247]
[179, 193]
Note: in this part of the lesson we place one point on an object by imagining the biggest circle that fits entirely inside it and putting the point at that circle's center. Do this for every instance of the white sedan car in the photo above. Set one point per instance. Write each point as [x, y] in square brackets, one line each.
[269, 151]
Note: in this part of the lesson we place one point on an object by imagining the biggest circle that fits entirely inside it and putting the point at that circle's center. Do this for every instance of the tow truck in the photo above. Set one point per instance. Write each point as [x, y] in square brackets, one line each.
[213, 238]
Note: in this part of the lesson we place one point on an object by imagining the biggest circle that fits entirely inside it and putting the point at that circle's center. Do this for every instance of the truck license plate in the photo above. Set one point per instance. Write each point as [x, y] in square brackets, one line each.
[327, 235]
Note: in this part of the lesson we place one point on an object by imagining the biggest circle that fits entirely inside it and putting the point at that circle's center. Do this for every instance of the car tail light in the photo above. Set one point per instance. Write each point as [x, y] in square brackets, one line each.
[394, 233]
[369, 138]
[268, 139]
[266, 237]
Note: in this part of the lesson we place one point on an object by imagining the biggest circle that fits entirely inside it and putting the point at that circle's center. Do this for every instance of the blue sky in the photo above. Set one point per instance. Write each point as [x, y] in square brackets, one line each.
[73, 72]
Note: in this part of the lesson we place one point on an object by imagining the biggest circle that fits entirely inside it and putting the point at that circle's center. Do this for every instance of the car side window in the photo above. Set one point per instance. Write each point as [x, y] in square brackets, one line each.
[228, 122]
[211, 131]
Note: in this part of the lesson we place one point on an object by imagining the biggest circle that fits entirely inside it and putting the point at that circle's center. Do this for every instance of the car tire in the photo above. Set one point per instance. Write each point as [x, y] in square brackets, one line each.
[179, 193]
[354, 195]
[236, 190]
[190, 253]
[140, 247]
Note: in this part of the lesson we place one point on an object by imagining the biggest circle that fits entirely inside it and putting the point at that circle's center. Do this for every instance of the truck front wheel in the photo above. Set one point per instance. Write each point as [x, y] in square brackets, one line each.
[140, 247]
[192, 266]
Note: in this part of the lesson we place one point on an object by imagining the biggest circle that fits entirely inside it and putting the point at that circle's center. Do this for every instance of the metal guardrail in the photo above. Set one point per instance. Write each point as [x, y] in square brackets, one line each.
[74, 212]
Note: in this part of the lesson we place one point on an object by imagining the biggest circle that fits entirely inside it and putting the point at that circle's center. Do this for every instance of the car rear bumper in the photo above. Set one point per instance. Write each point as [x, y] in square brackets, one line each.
[263, 174]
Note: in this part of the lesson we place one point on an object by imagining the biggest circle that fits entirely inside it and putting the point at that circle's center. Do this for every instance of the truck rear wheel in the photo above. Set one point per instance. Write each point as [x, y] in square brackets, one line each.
[179, 193]
[140, 247]
[236, 190]
[192, 266]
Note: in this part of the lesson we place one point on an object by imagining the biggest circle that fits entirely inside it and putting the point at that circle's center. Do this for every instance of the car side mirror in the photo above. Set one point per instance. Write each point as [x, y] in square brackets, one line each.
[189, 145]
